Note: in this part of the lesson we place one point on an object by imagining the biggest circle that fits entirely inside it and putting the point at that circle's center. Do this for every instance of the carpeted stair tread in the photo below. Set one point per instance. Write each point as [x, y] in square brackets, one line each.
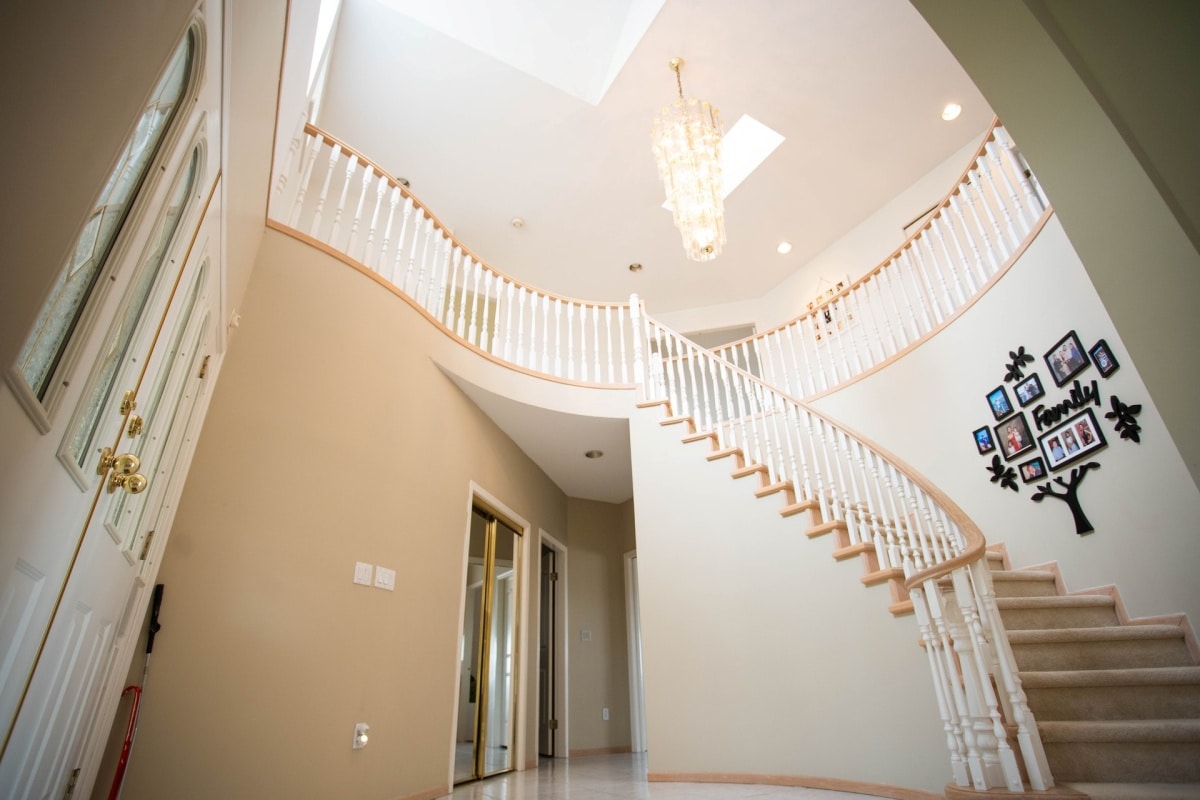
[1124, 730]
[1056, 601]
[1057, 611]
[1110, 633]
[1144, 676]
[1023, 583]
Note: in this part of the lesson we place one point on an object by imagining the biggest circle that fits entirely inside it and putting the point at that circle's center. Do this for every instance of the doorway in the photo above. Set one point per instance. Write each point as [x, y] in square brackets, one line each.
[552, 649]
[486, 739]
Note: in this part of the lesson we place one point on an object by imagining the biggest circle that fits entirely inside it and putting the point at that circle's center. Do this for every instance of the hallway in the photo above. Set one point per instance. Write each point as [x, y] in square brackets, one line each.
[621, 776]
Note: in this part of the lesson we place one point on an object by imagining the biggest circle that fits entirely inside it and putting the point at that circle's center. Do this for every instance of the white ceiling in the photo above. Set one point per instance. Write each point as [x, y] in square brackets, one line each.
[541, 109]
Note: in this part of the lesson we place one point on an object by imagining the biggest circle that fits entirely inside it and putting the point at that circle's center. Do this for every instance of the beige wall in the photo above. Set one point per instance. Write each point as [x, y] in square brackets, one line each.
[332, 438]
[600, 535]
[1069, 100]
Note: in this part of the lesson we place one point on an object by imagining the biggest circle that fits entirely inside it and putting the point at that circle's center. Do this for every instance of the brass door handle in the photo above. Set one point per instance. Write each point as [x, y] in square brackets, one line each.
[125, 473]
[133, 484]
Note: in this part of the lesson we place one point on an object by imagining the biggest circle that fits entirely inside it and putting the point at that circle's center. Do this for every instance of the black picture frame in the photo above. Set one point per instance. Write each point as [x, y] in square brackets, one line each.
[999, 403]
[1102, 357]
[1071, 440]
[1029, 390]
[1032, 470]
[983, 440]
[1066, 359]
[1013, 436]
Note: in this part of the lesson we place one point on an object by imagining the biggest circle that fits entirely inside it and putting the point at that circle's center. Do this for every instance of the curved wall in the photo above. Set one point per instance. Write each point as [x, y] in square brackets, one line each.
[1142, 501]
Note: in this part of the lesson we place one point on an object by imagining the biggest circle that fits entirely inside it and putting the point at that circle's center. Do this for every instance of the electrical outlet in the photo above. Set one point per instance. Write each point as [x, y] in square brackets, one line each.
[605, 715]
[385, 578]
[362, 573]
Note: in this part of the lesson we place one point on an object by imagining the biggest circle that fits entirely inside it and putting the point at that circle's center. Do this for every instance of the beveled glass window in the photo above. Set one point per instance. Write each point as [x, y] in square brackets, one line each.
[47, 342]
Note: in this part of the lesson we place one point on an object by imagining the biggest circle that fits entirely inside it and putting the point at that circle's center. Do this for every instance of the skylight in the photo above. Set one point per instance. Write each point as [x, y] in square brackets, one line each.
[743, 149]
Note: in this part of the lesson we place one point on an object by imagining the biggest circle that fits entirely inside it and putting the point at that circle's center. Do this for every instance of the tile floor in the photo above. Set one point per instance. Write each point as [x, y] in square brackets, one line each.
[621, 776]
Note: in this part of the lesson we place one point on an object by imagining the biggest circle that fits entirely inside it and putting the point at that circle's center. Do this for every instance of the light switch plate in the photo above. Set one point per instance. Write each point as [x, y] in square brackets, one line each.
[385, 578]
[362, 573]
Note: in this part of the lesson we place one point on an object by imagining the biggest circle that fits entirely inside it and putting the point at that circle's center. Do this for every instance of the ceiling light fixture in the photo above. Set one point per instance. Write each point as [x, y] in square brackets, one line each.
[784, 248]
[593, 454]
[951, 111]
[635, 267]
[686, 138]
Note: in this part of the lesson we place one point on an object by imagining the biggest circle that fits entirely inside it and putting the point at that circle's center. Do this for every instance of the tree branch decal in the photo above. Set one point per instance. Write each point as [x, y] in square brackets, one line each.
[1125, 416]
[1016, 367]
[1070, 496]
[1005, 475]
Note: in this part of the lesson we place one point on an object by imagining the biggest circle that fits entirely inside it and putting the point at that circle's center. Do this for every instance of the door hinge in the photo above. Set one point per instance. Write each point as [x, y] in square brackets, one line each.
[71, 784]
[204, 367]
[553, 576]
[128, 403]
[146, 546]
[552, 724]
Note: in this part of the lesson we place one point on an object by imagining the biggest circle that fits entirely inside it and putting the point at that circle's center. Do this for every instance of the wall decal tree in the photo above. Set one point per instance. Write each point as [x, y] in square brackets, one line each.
[1070, 496]
[1125, 416]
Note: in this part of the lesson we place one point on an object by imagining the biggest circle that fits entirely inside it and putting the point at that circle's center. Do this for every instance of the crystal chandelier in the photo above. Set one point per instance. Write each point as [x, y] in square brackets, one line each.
[687, 146]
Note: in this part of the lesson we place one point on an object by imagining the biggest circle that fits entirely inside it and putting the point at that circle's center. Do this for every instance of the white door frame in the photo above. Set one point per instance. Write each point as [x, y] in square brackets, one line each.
[633, 627]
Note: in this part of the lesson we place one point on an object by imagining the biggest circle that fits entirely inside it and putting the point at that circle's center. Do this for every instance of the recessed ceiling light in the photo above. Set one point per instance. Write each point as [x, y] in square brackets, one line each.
[635, 267]
[517, 222]
[784, 248]
[594, 453]
[951, 111]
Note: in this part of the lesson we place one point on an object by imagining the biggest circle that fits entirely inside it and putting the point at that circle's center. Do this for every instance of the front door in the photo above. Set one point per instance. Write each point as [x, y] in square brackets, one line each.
[92, 489]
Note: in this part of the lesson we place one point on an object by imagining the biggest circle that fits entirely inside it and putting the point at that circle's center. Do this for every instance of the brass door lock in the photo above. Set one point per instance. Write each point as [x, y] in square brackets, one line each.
[136, 424]
[125, 473]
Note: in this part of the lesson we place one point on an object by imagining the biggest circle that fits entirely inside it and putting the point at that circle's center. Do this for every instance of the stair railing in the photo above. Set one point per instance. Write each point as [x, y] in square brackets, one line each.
[955, 255]
[917, 534]
[335, 198]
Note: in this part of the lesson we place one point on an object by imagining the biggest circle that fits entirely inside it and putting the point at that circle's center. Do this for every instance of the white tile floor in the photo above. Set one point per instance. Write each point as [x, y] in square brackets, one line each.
[621, 776]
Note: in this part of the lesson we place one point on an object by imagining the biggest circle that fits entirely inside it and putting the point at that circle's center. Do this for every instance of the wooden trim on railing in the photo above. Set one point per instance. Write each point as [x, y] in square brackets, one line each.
[406, 192]
[396, 290]
[937, 212]
[975, 298]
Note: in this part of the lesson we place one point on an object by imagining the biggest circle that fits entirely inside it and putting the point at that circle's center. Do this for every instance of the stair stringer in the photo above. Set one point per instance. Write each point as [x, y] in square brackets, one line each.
[760, 656]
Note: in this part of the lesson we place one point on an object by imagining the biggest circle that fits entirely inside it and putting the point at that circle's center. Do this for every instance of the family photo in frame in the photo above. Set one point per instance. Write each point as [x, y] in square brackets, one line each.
[984, 440]
[1066, 359]
[1013, 436]
[1071, 440]
[1032, 470]
[998, 401]
[1103, 358]
[1029, 390]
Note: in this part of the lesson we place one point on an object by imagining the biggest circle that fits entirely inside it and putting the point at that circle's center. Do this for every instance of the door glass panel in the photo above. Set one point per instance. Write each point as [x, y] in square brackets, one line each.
[469, 668]
[502, 637]
[114, 355]
[51, 333]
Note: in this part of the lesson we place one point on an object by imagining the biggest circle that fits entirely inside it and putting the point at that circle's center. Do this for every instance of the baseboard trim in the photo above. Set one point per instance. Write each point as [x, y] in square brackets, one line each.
[428, 794]
[600, 751]
[806, 781]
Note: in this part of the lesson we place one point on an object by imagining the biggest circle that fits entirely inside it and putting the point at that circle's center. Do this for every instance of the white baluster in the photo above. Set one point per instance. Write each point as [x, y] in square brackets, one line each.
[442, 302]
[395, 269]
[387, 230]
[498, 281]
[334, 154]
[969, 199]
[281, 182]
[935, 225]
[913, 253]
[1014, 199]
[1033, 203]
[635, 319]
[984, 185]
[533, 318]
[558, 370]
[380, 190]
[473, 327]
[521, 358]
[612, 378]
[509, 303]
[972, 242]
[621, 331]
[305, 177]
[570, 341]
[422, 267]
[347, 182]
[596, 344]
[484, 344]
[368, 172]
[583, 351]
[468, 268]
[453, 286]
[546, 333]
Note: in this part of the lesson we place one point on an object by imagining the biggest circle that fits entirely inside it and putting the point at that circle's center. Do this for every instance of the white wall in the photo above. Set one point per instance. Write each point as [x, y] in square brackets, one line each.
[854, 254]
[1142, 501]
[762, 655]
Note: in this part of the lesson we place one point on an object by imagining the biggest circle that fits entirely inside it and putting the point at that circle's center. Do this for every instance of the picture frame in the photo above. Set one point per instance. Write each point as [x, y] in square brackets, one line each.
[1071, 440]
[983, 440]
[999, 403]
[1103, 358]
[1066, 359]
[1029, 390]
[1013, 436]
[1032, 470]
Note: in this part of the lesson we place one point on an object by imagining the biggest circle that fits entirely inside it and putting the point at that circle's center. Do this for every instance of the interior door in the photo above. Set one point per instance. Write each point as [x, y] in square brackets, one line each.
[83, 547]
[488, 684]
[546, 650]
